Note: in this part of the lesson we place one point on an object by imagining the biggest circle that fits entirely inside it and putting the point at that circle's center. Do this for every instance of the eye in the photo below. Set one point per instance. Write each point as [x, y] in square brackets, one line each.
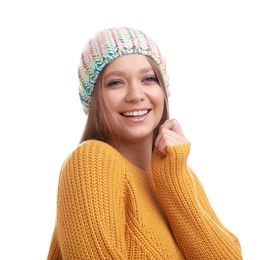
[114, 83]
[151, 79]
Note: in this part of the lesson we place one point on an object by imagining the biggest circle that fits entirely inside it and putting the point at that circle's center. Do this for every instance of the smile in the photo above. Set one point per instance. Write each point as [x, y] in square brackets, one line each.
[135, 113]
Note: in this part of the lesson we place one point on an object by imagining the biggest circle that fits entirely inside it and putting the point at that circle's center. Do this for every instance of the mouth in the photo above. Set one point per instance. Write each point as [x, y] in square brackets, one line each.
[135, 114]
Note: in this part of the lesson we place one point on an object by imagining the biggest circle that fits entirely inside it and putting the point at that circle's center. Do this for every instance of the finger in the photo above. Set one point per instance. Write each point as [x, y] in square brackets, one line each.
[167, 138]
[161, 141]
[170, 134]
[173, 125]
[162, 131]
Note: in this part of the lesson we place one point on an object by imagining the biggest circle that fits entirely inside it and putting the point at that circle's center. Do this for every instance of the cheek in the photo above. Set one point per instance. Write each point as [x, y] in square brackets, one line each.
[159, 99]
[113, 98]
[109, 99]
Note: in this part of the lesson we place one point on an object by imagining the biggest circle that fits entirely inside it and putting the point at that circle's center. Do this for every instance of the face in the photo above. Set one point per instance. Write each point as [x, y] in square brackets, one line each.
[134, 97]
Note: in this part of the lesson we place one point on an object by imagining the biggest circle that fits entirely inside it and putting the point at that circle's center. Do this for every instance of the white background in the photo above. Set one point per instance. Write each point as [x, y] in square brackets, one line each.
[220, 59]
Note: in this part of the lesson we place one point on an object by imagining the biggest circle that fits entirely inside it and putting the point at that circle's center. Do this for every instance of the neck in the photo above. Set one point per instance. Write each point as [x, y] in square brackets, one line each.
[138, 153]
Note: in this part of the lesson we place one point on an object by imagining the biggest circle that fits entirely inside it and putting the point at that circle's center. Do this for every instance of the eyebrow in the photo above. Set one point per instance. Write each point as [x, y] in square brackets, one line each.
[122, 73]
[114, 73]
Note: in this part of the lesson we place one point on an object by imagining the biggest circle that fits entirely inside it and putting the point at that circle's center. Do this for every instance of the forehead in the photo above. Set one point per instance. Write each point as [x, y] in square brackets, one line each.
[128, 62]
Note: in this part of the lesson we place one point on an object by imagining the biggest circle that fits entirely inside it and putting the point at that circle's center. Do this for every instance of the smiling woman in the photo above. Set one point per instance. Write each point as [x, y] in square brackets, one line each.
[135, 103]
[127, 192]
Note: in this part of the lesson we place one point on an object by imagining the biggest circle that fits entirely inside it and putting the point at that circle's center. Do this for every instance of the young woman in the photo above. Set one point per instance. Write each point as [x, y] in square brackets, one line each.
[126, 192]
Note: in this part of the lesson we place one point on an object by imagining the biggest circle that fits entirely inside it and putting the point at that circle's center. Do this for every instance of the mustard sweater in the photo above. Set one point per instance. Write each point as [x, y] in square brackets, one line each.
[107, 208]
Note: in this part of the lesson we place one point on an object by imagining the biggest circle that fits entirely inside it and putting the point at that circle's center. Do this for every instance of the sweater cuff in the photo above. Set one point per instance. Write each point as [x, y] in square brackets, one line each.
[177, 152]
[173, 163]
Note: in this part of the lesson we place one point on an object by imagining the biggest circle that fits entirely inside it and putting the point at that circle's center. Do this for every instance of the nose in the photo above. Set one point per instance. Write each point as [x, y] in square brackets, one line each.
[135, 93]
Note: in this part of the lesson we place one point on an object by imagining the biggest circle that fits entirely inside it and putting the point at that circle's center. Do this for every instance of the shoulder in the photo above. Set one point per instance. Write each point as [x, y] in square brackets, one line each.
[93, 172]
[93, 148]
[93, 155]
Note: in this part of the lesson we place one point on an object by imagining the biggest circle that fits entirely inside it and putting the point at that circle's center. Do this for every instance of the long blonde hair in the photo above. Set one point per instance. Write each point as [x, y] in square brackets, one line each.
[98, 124]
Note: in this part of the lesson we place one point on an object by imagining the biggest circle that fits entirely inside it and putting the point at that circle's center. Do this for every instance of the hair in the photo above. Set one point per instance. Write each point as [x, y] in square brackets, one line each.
[98, 124]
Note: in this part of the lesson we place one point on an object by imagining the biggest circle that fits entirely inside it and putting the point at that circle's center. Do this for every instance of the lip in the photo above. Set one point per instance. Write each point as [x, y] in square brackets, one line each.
[135, 109]
[136, 119]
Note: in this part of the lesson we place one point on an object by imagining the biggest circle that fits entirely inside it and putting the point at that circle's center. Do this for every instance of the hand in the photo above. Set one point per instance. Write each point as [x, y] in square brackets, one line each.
[170, 134]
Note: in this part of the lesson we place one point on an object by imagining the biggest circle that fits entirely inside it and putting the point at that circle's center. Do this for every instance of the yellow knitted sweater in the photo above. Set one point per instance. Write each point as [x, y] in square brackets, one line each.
[107, 208]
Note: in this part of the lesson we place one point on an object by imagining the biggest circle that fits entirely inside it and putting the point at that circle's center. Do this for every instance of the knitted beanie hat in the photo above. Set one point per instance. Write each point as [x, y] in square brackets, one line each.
[107, 45]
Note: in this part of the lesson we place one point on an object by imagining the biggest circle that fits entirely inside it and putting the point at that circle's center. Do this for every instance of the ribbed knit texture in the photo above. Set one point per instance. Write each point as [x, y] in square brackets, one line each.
[108, 208]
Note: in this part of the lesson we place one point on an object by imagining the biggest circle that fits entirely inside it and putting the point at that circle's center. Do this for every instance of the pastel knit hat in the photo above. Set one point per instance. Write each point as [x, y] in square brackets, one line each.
[107, 45]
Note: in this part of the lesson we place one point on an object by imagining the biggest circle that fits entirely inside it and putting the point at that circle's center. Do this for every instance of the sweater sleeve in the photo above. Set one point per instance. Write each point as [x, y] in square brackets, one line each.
[196, 227]
[90, 220]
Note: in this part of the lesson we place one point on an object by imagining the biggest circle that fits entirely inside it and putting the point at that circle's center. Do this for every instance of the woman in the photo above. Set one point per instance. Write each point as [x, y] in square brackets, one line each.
[126, 192]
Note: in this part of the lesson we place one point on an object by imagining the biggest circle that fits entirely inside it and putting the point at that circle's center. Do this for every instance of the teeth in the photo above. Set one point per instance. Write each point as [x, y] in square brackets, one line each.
[136, 113]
